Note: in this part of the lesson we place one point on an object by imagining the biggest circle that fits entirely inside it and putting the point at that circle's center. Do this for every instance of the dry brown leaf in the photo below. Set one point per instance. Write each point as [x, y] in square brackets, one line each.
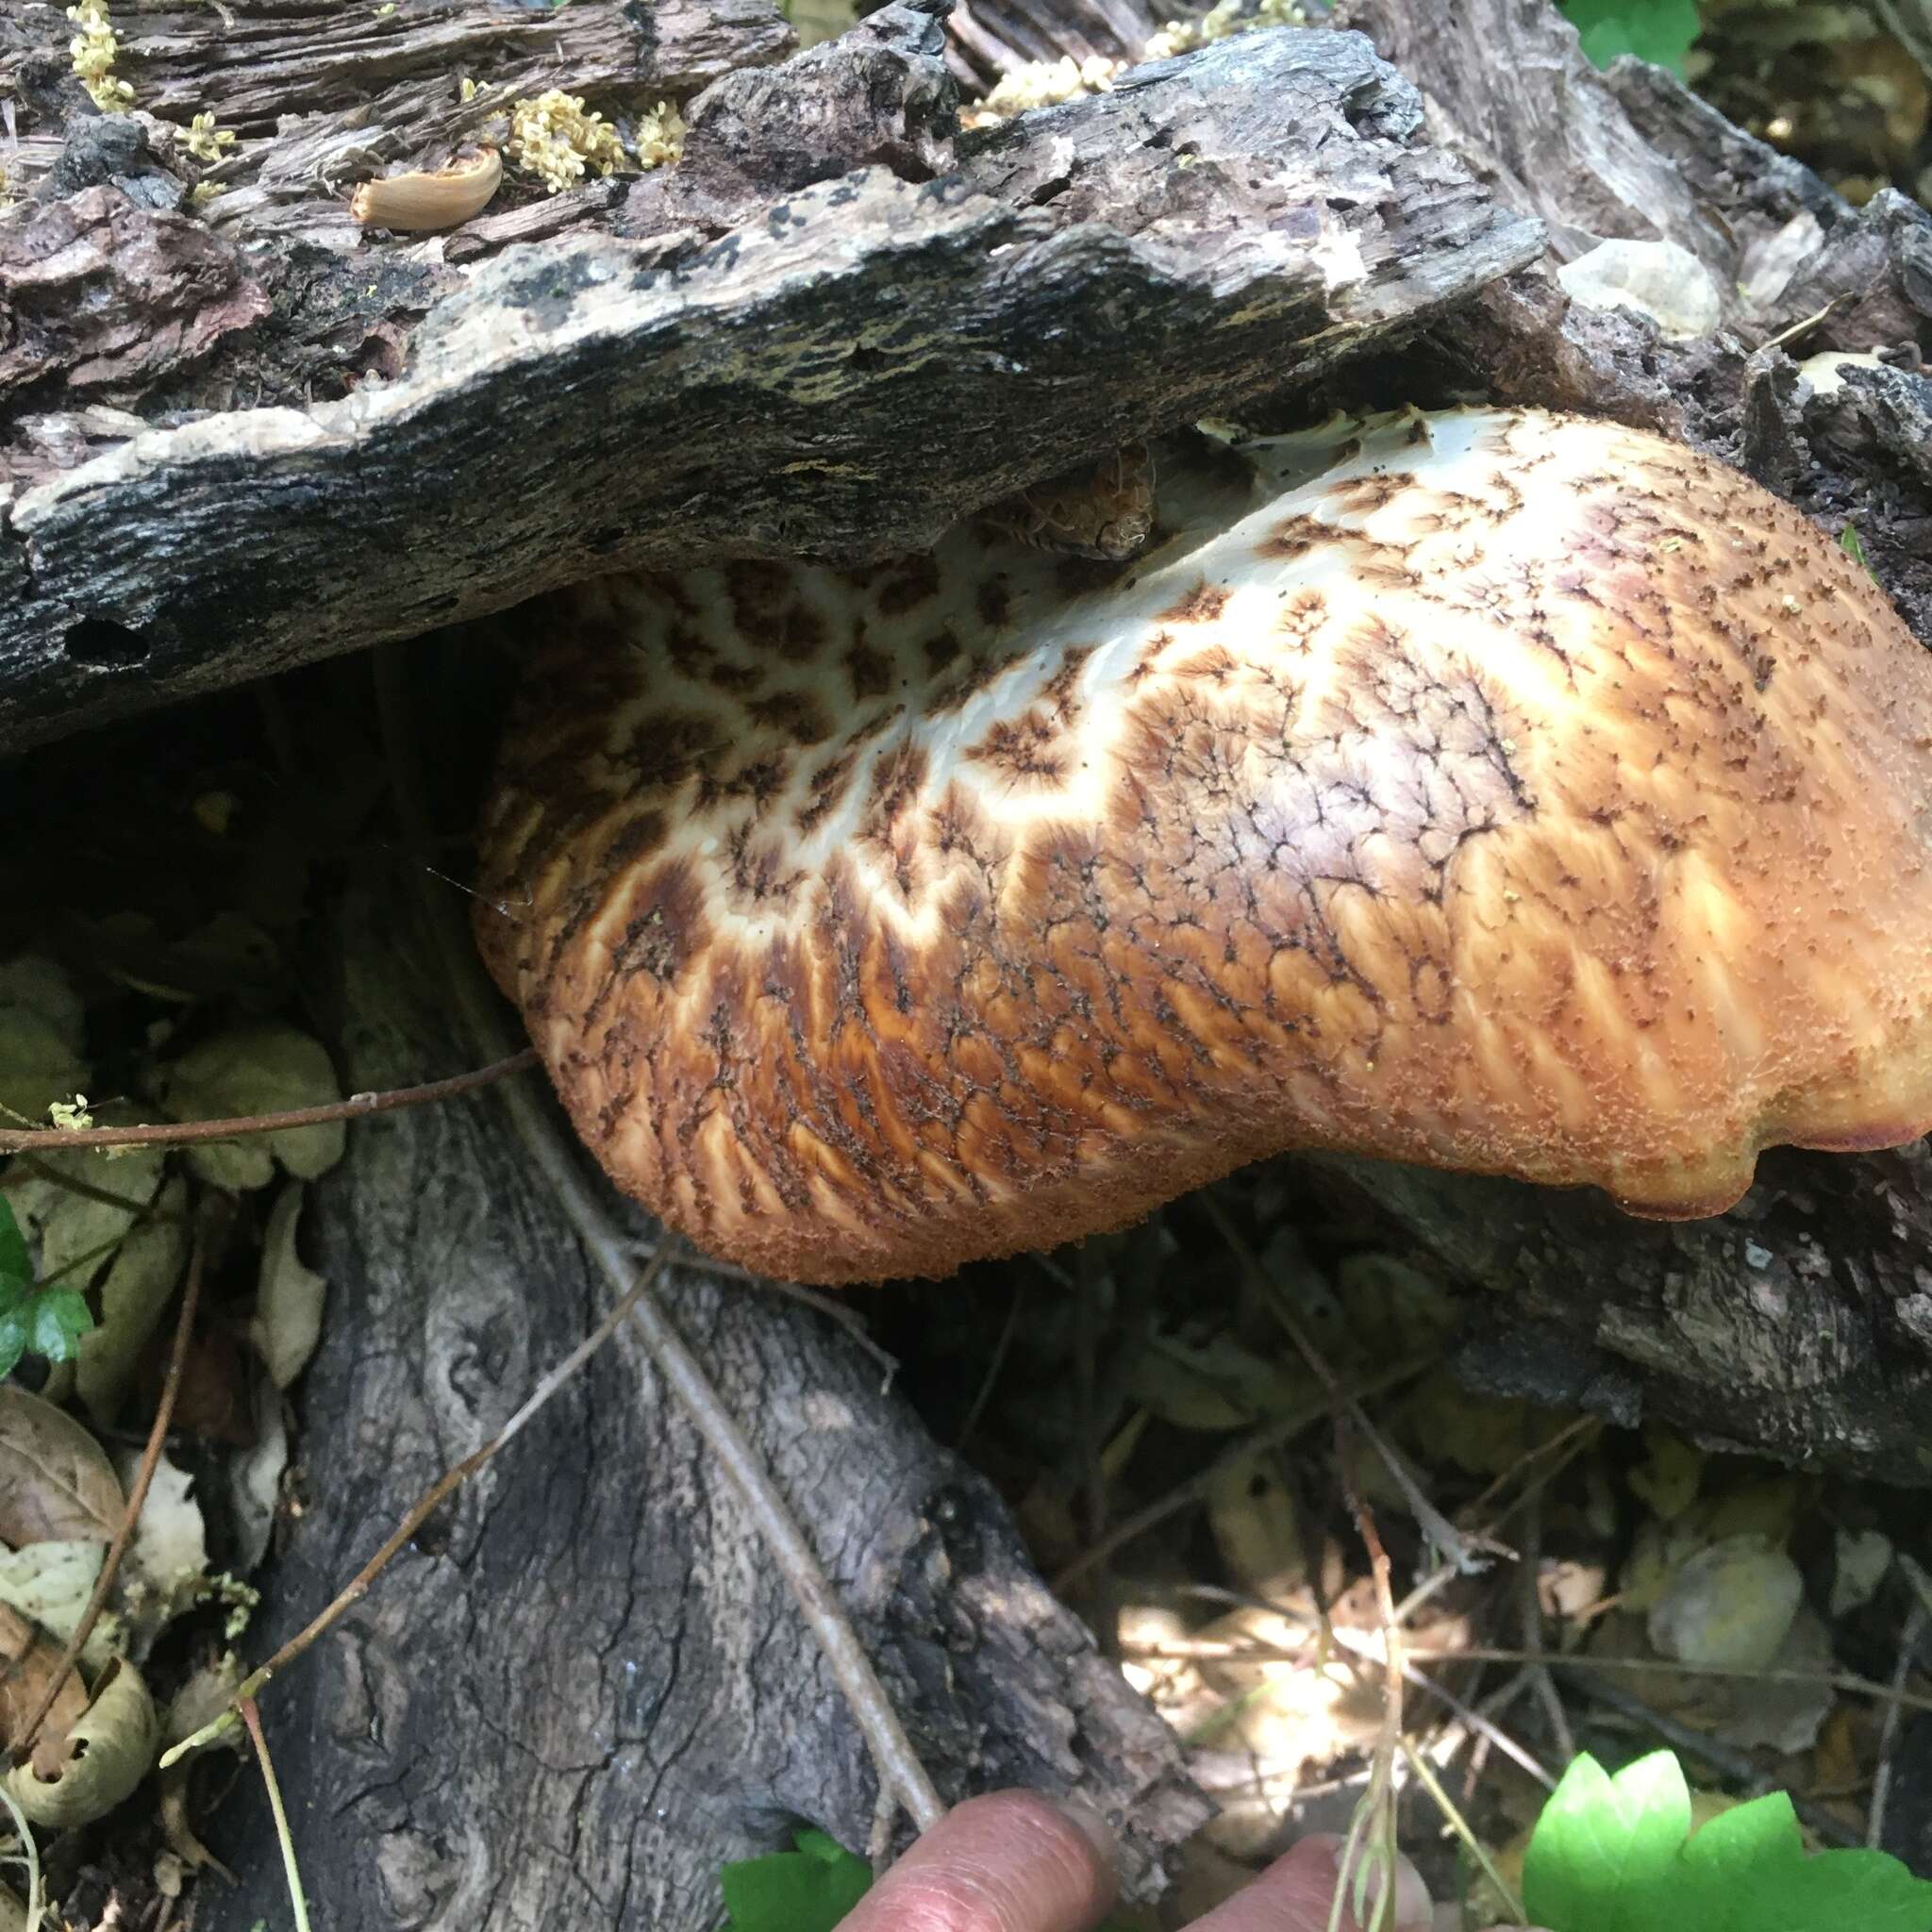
[56, 1482]
[26, 1662]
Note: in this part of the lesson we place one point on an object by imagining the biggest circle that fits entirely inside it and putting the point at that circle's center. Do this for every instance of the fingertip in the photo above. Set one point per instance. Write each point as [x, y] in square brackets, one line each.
[1005, 1860]
[1315, 1861]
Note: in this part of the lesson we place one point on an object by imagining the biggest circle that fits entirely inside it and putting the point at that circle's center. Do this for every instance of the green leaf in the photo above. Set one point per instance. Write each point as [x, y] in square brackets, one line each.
[1605, 1851]
[59, 1318]
[47, 1321]
[1871, 1890]
[14, 1262]
[1660, 31]
[1727, 1867]
[1853, 546]
[1617, 1855]
[806, 1891]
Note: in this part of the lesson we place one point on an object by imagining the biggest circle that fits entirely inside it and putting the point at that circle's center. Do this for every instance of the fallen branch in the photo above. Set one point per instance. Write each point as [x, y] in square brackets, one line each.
[426, 1506]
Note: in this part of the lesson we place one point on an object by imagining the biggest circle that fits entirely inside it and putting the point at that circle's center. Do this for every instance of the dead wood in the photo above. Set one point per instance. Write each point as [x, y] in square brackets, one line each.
[584, 1686]
[1633, 153]
[1799, 1325]
[698, 367]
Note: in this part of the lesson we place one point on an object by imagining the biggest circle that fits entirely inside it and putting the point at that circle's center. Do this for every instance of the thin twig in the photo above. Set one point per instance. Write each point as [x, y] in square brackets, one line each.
[1529, 1602]
[1374, 1819]
[150, 1462]
[185, 1133]
[30, 1857]
[1102, 1608]
[1362, 1648]
[419, 1513]
[1195, 1649]
[1456, 1823]
[849, 1318]
[106, 1197]
[1009, 1328]
[892, 1753]
[298, 1899]
[1888, 1737]
[878, 1843]
[1573, 1440]
[893, 1757]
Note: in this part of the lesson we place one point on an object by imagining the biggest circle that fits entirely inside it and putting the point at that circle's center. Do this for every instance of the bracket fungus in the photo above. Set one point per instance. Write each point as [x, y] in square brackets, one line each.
[1490, 790]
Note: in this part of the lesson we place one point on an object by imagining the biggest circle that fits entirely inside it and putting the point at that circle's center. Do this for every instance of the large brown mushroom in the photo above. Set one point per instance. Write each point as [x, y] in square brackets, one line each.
[1492, 789]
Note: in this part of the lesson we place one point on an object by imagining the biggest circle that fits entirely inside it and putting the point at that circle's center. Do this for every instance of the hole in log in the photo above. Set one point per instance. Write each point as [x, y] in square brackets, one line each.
[100, 641]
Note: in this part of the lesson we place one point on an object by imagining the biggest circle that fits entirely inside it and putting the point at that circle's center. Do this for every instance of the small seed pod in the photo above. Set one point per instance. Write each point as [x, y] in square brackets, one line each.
[419, 202]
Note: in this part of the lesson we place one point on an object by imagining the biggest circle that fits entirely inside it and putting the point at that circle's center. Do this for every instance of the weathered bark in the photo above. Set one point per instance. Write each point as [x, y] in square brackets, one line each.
[1633, 153]
[844, 370]
[990, 37]
[1799, 1325]
[584, 1685]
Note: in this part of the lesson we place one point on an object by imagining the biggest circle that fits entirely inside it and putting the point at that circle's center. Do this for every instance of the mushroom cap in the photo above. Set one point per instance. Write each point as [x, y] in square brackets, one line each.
[1491, 790]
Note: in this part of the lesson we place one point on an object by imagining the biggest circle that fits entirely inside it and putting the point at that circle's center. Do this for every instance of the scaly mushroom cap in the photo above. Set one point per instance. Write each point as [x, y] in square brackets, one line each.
[1491, 790]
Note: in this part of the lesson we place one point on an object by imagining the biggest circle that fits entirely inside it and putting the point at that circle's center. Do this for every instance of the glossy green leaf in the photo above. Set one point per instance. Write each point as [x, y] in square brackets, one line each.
[1616, 1855]
[59, 1318]
[1605, 1851]
[46, 1321]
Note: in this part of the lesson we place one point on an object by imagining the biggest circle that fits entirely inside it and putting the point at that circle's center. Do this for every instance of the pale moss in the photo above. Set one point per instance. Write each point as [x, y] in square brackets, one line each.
[1041, 83]
[206, 140]
[555, 139]
[1225, 18]
[1045, 83]
[93, 49]
[661, 135]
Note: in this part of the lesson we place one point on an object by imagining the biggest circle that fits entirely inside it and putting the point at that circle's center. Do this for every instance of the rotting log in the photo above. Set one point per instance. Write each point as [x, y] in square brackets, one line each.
[585, 1685]
[1798, 1326]
[834, 341]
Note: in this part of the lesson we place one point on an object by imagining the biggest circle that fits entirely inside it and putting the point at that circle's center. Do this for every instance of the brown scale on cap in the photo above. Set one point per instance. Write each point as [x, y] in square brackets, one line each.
[1493, 790]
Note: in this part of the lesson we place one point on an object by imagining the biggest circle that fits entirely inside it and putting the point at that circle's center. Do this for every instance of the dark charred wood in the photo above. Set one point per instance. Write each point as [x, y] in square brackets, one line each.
[790, 358]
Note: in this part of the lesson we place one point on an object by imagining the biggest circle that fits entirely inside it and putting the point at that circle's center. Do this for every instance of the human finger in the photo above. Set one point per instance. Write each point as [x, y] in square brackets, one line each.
[1011, 1862]
[1296, 1893]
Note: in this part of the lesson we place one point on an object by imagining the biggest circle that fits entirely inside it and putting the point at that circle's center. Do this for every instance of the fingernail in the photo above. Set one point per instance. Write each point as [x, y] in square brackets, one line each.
[1092, 1827]
[1414, 1912]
